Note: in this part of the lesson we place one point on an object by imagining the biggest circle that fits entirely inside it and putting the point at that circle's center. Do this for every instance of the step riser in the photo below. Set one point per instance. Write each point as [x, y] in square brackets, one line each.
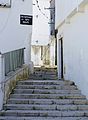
[45, 73]
[48, 102]
[43, 118]
[44, 107]
[47, 96]
[45, 83]
[46, 87]
[47, 114]
[20, 91]
[43, 78]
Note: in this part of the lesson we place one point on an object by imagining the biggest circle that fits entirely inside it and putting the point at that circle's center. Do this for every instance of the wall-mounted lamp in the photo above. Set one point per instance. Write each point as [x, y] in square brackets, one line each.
[49, 8]
[51, 23]
[36, 41]
[33, 4]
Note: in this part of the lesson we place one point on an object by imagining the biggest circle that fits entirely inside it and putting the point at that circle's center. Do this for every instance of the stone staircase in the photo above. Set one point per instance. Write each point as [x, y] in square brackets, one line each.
[43, 97]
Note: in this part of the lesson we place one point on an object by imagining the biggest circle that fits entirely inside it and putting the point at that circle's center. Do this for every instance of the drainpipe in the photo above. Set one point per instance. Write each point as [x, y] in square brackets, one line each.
[2, 77]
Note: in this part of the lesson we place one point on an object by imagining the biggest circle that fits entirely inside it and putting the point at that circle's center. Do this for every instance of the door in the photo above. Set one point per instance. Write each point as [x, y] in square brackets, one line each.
[61, 58]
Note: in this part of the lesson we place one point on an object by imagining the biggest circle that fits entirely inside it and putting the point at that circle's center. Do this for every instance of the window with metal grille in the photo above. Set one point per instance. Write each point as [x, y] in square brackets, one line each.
[5, 3]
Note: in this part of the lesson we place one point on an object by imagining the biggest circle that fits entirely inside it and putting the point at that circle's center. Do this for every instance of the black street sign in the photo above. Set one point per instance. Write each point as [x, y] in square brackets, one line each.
[26, 19]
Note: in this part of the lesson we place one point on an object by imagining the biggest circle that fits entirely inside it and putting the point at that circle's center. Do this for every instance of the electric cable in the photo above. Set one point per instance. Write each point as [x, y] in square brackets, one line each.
[41, 10]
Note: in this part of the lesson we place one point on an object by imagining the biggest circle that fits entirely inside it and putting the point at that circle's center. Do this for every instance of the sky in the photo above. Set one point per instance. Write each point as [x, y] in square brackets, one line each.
[40, 33]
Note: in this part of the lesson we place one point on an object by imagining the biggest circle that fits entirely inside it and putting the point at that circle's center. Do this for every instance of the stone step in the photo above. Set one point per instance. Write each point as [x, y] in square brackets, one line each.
[47, 96]
[44, 113]
[44, 97]
[40, 91]
[48, 101]
[44, 82]
[45, 107]
[42, 78]
[58, 87]
[46, 73]
[42, 118]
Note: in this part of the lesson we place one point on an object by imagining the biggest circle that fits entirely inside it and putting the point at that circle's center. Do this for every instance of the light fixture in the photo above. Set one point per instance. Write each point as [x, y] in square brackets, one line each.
[49, 8]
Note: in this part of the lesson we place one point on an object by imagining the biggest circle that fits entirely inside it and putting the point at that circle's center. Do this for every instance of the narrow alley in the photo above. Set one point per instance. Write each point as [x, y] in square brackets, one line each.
[43, 59]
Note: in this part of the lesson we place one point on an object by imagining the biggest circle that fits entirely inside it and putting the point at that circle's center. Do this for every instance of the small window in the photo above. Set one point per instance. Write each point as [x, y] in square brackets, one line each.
[5, 3]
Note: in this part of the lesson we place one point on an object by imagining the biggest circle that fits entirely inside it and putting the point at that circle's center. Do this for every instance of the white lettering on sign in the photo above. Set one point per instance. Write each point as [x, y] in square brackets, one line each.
[26, 19]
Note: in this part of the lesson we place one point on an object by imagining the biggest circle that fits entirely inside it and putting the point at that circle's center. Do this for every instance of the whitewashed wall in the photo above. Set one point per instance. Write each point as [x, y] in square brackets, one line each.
[40, 23]
[36, 55]
[64, 8]
[75, 39]
[13, 35]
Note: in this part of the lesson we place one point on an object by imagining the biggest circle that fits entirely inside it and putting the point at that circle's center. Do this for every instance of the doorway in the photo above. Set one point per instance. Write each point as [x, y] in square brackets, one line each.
[61, 76]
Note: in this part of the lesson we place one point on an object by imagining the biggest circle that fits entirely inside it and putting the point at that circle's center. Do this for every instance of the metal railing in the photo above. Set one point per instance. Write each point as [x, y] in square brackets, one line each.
[13, 60]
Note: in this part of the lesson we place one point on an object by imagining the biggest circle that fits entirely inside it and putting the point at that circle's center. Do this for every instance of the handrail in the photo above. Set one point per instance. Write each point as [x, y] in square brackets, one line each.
[11, 51]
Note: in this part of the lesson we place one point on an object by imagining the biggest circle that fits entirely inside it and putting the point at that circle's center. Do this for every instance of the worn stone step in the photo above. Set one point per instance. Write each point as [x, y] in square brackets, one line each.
[44, 113]
[42, 118]
[44, 82]
[45, 107]
[60, 87]
[48, 96]
[45, 73]
[42, 78]
[48, 101]
[40, 91]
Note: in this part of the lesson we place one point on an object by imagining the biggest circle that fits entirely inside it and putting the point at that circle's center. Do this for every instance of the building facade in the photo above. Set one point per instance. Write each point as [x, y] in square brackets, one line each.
[15, 40]
[71, 23]
[40, 36]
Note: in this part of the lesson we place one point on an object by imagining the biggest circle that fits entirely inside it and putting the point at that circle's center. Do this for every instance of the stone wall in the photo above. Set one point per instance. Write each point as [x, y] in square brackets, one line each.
[10, 82]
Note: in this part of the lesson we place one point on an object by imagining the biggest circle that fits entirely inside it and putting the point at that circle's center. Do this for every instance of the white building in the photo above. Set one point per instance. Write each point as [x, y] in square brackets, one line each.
[72, 26]
[15, 35]
[40, 36]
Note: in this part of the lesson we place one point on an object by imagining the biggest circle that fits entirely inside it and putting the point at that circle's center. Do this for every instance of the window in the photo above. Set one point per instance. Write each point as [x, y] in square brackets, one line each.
[5, 3]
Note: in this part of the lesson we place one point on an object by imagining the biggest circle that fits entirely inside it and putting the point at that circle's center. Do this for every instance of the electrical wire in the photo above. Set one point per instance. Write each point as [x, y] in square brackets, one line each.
[41, 10]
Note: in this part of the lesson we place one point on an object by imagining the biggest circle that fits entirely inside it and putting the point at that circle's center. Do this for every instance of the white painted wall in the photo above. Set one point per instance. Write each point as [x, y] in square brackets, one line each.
[36, 55]
[40, 24]
[75, 39]
[13, 35]
[40, 32]
[52, 52]
[64, 8]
